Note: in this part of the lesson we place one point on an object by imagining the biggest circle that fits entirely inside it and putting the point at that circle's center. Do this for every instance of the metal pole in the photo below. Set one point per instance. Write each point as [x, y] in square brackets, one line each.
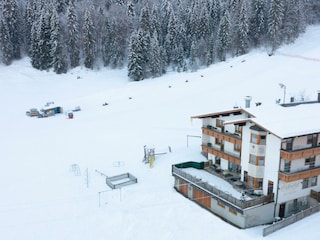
[191, 136]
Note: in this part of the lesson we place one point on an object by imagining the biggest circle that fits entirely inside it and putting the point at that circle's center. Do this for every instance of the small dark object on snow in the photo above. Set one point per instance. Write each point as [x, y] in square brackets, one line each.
[105, 104]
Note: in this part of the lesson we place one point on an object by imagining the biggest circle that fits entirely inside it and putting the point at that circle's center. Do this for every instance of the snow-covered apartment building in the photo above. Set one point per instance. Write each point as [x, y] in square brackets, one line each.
[269, 154]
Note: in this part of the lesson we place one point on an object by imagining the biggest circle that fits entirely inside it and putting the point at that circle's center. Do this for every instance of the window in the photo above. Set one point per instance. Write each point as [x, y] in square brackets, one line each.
[258, 139]
[237, 148]
[238, 129]
[257, 160]
[255, 183]
[313, 181]
[217, 160]
[218, 141]
[252, 159]
[260, 182]
[254, 138]
[232, 211]
[305, 183]
[309, 182]
[220, 204]
[289, 144]
[310, 161]
[309, 139]
[219, 123]
[260, 161]
[287, 166]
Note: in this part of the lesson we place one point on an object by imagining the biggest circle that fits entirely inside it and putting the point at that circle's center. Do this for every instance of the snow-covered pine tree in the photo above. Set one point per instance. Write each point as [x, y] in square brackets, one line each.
[293, 21]
[116, 49]
[215, 15]
[145, 39]
[170, 40]
[40, 40]
[154, 21]
[275, 21]
[135, 71]
[59, 62]
[61, 5]
[88, 40]
[242, 43]
[106, 42]
[258, 22]
[11, 16]
[155, 62]
[224, 36]
[73, 35]
[5, 43]
[29, 18]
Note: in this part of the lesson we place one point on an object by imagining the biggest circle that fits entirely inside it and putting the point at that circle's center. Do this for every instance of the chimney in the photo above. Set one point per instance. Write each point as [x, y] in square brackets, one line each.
[247, 100]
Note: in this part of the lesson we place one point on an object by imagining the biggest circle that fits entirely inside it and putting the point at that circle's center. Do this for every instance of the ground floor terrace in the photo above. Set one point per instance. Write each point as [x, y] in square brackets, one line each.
[223, 194]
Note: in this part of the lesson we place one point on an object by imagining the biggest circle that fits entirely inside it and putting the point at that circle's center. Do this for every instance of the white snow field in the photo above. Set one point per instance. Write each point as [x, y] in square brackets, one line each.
[51, 186]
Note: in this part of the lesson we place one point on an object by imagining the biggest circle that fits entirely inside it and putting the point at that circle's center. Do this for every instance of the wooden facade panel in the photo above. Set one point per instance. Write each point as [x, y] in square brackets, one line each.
[222, 136]
[298, 154]
[184, 187]
[201, 198]
[299, 175]
[221, 154]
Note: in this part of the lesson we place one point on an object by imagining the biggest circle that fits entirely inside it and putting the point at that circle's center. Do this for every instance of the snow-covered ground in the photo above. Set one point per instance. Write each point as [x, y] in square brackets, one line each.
[50, 174]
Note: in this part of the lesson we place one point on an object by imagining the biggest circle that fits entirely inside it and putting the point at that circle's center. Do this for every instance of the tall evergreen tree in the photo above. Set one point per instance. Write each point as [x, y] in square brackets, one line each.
[145, 40]
[72, 36]
[224, 35]
[258, 22]
[88, 40]
[155, 62]
[40, 40]
[293, 20]
[170, 40]
[243, 30]
[135, 58]
[106, 42]
[5, 43]
[58, 55]
[11, 16]
[275, 21]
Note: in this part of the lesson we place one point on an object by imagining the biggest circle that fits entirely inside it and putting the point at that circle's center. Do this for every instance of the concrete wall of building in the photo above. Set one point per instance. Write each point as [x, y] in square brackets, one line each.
[259, 215]
[227, 213]
[245, 149]
[271, 164]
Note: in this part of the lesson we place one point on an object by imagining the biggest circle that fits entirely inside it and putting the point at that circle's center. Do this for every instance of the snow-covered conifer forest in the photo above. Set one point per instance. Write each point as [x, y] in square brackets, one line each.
[148, 37]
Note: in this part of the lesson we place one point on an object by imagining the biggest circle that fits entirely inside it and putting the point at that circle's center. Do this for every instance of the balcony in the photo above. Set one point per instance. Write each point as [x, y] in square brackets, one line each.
[294, 176]
[222, 135]
[219, 194]
[299, 153]
[222, 154]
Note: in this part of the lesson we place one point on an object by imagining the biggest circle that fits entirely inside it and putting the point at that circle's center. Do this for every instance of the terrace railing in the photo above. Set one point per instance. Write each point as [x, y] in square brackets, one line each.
[219, 194]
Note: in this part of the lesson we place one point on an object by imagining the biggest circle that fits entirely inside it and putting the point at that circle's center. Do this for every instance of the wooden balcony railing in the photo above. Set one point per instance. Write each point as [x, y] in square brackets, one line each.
[222, 154]
[300, 153]
[225, 136]
[290, 177]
